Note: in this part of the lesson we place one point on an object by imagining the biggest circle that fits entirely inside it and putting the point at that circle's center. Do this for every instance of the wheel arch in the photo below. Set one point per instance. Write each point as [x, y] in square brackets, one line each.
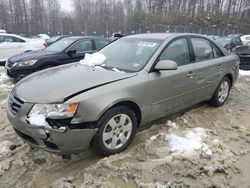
[128, 103]
[230, 76]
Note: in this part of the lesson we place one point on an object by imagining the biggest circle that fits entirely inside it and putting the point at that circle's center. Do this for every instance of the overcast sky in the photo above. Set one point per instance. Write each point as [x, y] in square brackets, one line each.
[66, 4]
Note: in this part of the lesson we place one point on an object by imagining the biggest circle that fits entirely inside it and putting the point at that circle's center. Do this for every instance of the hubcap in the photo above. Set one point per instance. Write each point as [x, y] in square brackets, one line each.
[117, 131]
[223, 91]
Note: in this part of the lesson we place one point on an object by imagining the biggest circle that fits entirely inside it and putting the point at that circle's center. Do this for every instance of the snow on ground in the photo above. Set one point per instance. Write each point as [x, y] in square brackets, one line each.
[189, 143]
[4, 78]
[244, 73]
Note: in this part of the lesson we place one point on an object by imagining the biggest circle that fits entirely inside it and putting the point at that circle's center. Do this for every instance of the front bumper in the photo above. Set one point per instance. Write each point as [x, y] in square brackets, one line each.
[47, 138]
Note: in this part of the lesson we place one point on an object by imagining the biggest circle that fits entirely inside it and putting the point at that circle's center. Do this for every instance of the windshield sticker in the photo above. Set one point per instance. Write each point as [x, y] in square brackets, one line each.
[147, 44]
[136, 65]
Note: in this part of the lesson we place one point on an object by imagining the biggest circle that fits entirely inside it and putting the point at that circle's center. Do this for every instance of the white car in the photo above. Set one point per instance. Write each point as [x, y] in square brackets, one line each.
[11, 44]
[43, 36]
[245, 39]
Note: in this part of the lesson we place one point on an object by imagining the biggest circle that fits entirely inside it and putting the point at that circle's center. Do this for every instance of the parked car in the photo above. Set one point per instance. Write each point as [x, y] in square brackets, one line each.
[132, 81]
[230, 42]
[43, 36]
[54, 39]
[66, 50]
[244, 53]
[11, 44]
[245, 39]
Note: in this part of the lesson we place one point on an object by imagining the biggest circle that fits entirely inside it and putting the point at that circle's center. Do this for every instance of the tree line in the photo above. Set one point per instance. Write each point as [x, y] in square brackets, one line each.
[102, 17]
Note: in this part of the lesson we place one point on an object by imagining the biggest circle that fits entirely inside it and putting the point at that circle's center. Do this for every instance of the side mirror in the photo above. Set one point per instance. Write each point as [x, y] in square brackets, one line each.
[166, 65]
[71, 52]
[233, 44]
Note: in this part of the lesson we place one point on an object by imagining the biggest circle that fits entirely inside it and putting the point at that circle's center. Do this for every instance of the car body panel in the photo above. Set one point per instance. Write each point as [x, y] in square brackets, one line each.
[85, 78]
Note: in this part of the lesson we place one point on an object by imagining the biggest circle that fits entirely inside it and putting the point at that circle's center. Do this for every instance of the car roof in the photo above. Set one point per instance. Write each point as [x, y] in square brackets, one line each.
[161, 36]
[84, 37]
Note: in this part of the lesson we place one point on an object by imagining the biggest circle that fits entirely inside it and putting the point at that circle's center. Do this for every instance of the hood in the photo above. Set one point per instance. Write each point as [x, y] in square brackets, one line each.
[57, 84]
[31, 55]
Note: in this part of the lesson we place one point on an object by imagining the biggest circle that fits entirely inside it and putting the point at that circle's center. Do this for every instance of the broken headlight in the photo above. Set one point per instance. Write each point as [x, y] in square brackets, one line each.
[54, 111]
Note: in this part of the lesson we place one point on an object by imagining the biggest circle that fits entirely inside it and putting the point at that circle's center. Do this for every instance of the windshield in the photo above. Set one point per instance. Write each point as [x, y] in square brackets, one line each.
[60, 45]
[129, 55]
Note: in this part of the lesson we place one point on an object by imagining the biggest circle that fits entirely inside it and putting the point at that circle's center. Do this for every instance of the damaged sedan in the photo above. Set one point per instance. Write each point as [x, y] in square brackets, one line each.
[102, 100]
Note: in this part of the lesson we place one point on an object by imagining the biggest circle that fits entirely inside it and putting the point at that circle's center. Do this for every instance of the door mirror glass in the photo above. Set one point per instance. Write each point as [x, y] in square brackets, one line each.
[166, 65]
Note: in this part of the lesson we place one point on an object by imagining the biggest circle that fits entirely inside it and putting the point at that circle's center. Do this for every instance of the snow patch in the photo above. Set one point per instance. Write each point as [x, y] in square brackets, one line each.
[4, 79]
[116, 70]
[189, 143]
[38, 120]
[93, 59]
[5, 147]
[171, 124]
[244, 73]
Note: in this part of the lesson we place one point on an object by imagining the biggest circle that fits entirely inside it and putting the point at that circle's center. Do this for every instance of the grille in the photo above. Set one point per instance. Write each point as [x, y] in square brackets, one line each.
[14, 103]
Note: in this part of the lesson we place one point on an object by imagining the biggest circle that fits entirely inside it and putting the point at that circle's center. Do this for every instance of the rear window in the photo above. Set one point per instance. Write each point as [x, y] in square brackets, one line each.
[202, 49]
[216, 51]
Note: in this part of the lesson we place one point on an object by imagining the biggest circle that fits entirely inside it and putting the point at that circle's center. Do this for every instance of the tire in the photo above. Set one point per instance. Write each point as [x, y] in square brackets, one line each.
[113, 135]
[221, 93]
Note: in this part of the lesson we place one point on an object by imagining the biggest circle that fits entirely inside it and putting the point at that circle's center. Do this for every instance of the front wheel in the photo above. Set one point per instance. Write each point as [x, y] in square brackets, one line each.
[222, 92]
[117, 129]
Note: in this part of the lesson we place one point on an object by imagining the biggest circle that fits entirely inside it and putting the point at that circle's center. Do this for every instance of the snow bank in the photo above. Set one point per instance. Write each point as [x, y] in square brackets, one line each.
[39, 120]
[93, 59]
[189, 143]
[244, 73]
[4, 79]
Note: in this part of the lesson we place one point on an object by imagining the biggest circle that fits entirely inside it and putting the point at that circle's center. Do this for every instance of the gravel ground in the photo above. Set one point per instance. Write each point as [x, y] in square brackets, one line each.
[221, 158]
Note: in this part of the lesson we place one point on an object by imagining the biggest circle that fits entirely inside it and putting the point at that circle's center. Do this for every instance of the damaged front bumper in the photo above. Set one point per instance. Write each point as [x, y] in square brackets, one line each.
[55, 140]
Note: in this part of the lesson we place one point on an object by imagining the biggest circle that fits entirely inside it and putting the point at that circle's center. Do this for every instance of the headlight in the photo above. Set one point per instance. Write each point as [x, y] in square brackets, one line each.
[54, 111]
[26, 63]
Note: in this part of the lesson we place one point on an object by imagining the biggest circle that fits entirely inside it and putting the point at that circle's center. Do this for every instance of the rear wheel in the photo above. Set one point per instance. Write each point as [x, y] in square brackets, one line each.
[222, 92]
[117, 129]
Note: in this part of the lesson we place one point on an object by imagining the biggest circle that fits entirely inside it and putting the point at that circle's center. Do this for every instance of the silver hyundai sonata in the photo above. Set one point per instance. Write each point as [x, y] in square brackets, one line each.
[104, 99]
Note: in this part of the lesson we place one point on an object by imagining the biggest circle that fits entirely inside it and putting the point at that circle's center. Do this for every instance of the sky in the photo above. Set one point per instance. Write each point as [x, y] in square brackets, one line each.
[66, 4]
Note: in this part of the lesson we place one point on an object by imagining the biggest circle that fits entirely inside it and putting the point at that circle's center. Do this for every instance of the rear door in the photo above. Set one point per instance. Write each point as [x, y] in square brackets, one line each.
[172, 90]
[208, 67]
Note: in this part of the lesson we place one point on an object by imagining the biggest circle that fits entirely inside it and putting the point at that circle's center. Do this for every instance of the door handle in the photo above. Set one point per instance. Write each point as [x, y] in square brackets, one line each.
[191, 75]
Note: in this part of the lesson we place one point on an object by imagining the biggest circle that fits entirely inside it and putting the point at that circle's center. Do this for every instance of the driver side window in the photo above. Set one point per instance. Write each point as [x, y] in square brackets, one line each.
[82, 46]
[177, 51]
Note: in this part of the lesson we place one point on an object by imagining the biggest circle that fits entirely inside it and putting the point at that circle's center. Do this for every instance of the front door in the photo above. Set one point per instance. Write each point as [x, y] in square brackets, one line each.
[172, 90]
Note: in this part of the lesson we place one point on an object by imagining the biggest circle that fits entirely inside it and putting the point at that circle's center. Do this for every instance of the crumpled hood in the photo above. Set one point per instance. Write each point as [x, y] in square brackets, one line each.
[31, 55]
[56, 84]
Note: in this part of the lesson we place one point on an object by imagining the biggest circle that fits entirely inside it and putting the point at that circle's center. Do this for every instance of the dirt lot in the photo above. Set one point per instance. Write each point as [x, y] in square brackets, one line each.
[204, 147]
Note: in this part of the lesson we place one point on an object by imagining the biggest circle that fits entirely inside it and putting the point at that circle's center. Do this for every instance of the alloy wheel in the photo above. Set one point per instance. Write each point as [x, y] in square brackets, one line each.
[117, 131]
